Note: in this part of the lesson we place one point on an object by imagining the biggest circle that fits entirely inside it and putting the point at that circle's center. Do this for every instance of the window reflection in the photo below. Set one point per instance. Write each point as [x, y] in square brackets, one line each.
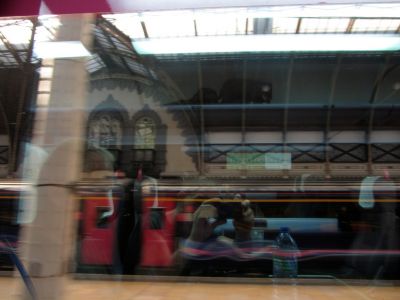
[194, 164]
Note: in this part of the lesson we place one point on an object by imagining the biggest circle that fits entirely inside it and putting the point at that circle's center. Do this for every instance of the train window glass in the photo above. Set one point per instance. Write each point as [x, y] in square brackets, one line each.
[201, 136]
[157, 218]
[102, 217]
[7, 213]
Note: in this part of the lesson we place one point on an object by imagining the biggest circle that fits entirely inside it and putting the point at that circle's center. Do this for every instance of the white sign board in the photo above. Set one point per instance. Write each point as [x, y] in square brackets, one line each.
[278, 161]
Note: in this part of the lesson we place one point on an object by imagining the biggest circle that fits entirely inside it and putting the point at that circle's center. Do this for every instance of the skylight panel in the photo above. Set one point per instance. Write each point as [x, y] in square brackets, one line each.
[47, 28]
[354, 10]
[119, 45]
[376, 25]
[128, 24]
[169, 24]
[328, 25]
[94, 63]
[284, 25]
[137, 68]
[220, 24]
[43, 34]
[102, 39]
[16, 31]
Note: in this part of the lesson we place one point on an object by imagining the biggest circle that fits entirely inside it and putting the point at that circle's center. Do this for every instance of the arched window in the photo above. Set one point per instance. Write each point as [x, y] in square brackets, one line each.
[105, 131]
[149, 145]
[145, 133]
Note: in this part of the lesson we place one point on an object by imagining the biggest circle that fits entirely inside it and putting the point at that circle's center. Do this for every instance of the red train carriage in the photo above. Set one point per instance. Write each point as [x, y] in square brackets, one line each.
[132, 228]
[329, 221]
[103, 210]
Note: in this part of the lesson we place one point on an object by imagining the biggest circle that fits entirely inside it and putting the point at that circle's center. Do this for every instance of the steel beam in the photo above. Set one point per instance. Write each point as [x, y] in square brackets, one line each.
[329, 113]
[372, 100]
[202, 125]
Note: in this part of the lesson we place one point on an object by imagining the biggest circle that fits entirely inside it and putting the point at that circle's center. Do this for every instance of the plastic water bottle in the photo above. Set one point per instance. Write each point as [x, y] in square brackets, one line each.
[285, 260]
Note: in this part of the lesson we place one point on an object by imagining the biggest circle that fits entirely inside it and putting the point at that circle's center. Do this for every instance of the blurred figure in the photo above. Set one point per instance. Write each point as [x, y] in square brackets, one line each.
[205, 219]
[243, 220]
[378, 200]
[29, 170]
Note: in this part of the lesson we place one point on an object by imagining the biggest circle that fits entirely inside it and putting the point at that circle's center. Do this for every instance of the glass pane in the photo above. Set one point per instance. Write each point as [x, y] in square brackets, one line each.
[284, 25]
[323, 25]
[261, 166]
[376, 25]
[169, 25]
[220, 24]
[128, 24]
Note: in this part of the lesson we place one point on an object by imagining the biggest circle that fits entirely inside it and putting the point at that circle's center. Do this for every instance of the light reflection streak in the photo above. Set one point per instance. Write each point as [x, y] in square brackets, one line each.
[171, 199]
[237, 253]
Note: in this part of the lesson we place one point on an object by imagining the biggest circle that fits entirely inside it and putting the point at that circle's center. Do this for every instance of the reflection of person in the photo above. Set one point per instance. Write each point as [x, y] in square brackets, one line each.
[243, 220]
[105, 131]
[94, 133]
[378, 199]
[205, 219]
[116, 132]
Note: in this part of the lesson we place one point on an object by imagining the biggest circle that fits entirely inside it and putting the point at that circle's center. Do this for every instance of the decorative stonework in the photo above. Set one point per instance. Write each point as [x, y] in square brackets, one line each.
[110, 126]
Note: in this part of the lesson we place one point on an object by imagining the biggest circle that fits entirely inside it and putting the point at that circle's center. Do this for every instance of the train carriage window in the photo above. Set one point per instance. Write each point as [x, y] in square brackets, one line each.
[157, 218]
[102, 217]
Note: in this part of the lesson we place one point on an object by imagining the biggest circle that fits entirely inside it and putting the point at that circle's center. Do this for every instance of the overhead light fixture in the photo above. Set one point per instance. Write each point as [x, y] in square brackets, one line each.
[269, 43]
[62, 49]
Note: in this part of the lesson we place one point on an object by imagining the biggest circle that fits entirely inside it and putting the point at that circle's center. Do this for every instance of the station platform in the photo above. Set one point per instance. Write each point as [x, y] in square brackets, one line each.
[222, 288]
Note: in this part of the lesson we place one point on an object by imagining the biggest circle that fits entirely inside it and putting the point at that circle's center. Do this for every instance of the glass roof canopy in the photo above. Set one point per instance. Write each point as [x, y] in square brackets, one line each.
[16, 38]
[114, 53]
[139, 26]
[377, 18]
[377, 26]
[259, 29]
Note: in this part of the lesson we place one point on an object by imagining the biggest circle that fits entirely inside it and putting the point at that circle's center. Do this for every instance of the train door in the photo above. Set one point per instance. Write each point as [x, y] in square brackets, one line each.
[98, 225]
[158, 225]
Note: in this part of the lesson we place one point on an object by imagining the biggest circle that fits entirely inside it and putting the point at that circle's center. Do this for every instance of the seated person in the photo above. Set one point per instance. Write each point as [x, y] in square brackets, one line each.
[205, 219]
[243, 220]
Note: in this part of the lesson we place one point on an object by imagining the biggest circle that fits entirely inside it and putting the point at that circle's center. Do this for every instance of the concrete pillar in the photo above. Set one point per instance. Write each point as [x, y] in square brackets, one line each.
[47, 241]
